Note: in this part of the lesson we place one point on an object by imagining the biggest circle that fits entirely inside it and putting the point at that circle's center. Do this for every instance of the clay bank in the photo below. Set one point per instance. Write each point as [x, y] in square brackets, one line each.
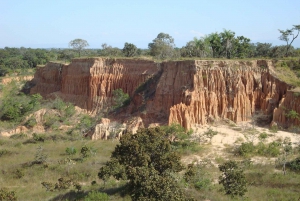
[186, 92]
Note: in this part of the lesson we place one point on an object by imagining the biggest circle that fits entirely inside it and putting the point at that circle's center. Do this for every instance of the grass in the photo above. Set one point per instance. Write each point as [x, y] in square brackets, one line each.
[57, 165]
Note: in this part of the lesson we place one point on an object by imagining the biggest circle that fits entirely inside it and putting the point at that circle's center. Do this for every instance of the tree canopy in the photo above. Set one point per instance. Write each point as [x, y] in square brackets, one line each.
[78, 45]
[286, 34]
[162, 46]
[148, 161]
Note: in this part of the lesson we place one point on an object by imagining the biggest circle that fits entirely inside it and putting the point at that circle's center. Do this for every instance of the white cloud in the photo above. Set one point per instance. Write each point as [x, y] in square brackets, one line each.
[197, 33]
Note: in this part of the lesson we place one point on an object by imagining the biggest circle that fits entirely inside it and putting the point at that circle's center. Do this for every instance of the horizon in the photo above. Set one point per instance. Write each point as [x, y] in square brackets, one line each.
[53, 24]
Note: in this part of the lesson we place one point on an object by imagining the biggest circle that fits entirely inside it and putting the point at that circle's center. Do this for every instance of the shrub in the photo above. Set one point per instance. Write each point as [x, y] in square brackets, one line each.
[38, 137]
[120, 99]
[96, 196]
[87, 151]
[7, 195]
[294, 164]
[233, 179]
[246, 149]
[71, 151]
[31, 122]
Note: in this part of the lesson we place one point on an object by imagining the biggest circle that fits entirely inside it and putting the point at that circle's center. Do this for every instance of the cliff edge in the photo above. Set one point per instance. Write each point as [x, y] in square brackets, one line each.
[186, 92]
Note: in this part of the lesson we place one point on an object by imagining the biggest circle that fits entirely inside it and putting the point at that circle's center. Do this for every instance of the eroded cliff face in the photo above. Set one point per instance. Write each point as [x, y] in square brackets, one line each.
[186, 92]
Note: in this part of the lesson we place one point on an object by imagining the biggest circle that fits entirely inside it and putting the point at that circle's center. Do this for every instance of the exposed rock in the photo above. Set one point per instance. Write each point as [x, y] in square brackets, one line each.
[185, 92]
[18, 130]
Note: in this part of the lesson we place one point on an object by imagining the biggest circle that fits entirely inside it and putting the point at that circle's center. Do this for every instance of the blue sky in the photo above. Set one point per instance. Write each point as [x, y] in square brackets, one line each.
[53, 23]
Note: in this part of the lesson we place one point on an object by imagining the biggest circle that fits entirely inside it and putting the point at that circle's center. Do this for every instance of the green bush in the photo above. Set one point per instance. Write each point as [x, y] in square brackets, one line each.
[87, 151]
[246, 148]
[71, 151]
[14, 104]
[120, 99]
[294, 164]
[96, 196]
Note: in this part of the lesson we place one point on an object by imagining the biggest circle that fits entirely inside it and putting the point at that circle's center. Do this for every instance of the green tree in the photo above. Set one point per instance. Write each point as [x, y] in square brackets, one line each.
[233, 179]
[129, 50]
[215, 44]
[227, 38]
[287, 34]
[162, 47]
[120, 99]
[78, 45]
[148, 161]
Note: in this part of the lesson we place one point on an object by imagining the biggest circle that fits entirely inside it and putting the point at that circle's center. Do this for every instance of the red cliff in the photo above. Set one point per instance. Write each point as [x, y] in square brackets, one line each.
[186, 92]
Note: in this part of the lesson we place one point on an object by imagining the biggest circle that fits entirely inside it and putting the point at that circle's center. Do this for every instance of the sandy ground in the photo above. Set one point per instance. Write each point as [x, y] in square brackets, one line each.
[230, 136]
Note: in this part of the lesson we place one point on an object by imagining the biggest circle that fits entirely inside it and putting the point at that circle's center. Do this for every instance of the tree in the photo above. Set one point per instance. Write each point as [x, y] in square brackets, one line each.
[227, 38]
[233, 179]
[78, 45]
[285, 36]
[215, 44]
[148, 161]
[129, 50]
[162, 46]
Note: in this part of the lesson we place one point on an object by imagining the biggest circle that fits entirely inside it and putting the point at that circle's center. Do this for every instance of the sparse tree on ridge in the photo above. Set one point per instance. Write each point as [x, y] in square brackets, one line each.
[162, 46]
[129, 50]
[78, 45]
[285, 36]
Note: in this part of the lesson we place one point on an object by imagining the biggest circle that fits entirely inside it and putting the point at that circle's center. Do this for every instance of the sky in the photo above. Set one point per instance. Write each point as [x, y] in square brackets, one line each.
[54, 23]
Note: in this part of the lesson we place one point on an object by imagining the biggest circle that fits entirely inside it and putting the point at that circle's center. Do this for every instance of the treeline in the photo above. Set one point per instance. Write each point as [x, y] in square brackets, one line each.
[215, 45]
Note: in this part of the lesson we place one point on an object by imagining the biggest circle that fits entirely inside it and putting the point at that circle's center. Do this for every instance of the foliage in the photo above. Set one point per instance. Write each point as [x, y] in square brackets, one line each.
[233, 179]
[87, 151]
[210, 133]
[96, 196]
[62, 184]
[120, 99]
[162, 47]
[40, 156]
[78, 45]
[71, 151]
[285, 36]
[108, 50]
[196, 177]
[147, 160]
[247, 149]
[6, 195]
[129, 50]
[294, 164]
[14, 104]
[292, 114]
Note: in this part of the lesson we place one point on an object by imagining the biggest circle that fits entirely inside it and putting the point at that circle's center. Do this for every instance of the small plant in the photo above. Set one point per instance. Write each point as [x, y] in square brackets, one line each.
[71, 151]
[263, 136]
[40, 156]
[196, 177]
[31, 122]
[292, 114]
[19, 173]
[87, 151]
[7, 195]
[210, 133]
[233, 179]
[273, 129]
[38, 137]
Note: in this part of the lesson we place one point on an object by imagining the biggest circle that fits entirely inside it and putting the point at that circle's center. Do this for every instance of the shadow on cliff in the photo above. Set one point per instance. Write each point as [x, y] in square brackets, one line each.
[27, 87]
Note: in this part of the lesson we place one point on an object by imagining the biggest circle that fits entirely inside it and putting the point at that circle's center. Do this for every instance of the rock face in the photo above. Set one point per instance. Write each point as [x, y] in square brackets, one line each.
[186, 92]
